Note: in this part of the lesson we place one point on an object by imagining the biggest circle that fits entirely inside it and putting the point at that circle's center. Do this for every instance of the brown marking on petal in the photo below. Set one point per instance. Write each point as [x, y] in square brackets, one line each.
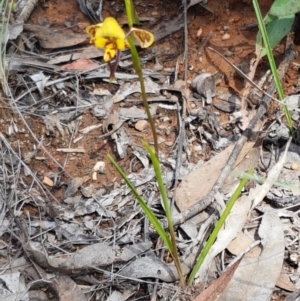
[111, 43]
[143, 37]
[91, 30]
[127, 46]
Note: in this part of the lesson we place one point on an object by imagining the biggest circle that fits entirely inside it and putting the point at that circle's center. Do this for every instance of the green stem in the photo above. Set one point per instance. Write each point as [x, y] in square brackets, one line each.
[272, 63]
[138, 70]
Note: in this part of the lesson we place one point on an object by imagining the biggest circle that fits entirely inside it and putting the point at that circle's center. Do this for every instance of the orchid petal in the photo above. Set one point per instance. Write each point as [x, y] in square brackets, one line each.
[144, 37]
[111, 28]
[109, 54]
[122, 44]
[100, 42]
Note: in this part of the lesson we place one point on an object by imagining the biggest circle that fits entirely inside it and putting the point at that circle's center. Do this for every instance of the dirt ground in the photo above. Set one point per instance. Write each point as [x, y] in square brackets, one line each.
[228, 17]
[224, 25]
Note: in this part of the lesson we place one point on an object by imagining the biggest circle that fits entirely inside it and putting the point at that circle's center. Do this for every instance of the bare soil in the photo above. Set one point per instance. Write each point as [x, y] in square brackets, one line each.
[227, 17]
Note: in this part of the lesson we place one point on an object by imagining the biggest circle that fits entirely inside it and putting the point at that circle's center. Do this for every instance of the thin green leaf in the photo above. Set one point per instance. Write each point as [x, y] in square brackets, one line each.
[163, 193]
[138, 69]
[217, 228]
[161, 185]
[150, 215]
[267, 47]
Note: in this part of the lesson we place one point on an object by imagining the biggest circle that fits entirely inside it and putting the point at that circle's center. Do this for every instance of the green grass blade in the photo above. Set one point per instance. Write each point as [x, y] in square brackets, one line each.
[273, 67]
[150, 215]
[217, 228]
[160, 182]
[164, 196]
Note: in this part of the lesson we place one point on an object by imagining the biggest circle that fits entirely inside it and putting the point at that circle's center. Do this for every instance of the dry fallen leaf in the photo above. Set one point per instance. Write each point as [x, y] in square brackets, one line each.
[51, 39]
[217, 287]
[67, 289]
[241, 243]
[255, 278]
[191, 188]
[284, 282]
[80, 64]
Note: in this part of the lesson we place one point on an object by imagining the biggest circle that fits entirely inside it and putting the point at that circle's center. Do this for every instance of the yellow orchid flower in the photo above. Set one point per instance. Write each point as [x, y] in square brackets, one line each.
[110, 36]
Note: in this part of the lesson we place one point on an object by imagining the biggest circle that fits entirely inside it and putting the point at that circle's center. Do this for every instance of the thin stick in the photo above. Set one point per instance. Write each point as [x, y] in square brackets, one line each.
[186, 47]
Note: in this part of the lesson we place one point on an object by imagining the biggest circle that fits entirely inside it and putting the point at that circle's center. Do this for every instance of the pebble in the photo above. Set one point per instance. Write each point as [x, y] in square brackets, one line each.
[160, 140]
[295, 116]
[228, 53]
[294, 166]
[225, 37]
[47, 181]
[141, 125]
[227, 102]
[99, 166]
[197, 95]
[199, 32]
[168, 143]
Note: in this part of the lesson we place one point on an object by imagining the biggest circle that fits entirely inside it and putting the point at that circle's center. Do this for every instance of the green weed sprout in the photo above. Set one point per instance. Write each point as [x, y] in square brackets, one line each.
[170, 242]
[217, 228]
[278, 21]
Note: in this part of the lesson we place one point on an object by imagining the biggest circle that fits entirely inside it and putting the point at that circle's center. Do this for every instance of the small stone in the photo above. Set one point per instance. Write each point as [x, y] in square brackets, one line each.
[225, 37]
[94, 176]
[197, 95]
[99, 167]
[295, 115]
[47, 181]
[141, 125]
[294, 166]
[228, 53]
[199, 32]
[168, 143]
[160, 140]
